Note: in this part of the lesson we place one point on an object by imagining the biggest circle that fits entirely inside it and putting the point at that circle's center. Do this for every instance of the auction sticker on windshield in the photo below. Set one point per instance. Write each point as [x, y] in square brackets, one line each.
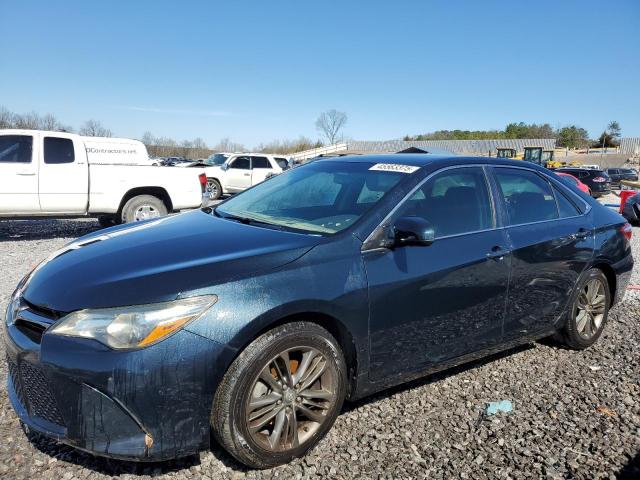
[392, 167]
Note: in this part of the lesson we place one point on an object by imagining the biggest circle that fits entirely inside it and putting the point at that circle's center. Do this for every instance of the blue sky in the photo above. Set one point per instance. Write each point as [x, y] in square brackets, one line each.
[257, 71]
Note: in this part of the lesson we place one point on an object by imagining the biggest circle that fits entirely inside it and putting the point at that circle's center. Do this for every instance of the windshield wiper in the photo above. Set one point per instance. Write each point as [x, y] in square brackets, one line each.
[247, 220]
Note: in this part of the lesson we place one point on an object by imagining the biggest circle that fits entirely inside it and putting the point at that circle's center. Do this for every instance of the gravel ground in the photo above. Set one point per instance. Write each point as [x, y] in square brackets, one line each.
[432, 428]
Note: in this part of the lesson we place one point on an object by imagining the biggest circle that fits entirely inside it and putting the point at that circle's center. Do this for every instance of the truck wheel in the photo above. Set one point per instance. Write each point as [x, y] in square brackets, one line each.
[214, 188]
[143, 207]
[108, 220]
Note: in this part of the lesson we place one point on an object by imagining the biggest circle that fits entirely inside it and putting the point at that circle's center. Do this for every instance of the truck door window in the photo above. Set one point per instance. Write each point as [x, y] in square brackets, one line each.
[242, 163]
[58, 150]
[15, 148]
[284, 164]
[260, 162]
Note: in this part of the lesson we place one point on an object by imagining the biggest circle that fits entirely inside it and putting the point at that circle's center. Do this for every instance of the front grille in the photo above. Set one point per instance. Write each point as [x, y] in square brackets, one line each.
[34, 391]
[32, 320]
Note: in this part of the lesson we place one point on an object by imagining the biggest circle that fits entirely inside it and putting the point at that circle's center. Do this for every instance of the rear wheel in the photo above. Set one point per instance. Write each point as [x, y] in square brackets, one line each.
[589, 311]
[214, 188]
[143, 207]
[280, 396]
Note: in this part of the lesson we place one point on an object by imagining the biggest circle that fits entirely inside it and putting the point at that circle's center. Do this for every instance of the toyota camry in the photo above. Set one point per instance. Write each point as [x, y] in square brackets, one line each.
[328, 282]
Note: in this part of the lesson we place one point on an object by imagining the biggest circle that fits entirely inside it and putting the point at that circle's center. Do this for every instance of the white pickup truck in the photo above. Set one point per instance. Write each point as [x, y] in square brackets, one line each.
[54, 174]
[235, 172]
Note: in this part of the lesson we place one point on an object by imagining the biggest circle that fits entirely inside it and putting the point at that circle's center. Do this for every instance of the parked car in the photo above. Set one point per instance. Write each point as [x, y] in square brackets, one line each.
[58, 174]
[631, 209]
[597, 180]
[333, 280]
[233, 173]
[617, 174]
[574, 181]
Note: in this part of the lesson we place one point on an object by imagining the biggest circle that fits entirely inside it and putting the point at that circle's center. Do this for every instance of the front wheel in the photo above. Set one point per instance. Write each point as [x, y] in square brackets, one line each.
[280, 396]
[589, 311]
[143, 207]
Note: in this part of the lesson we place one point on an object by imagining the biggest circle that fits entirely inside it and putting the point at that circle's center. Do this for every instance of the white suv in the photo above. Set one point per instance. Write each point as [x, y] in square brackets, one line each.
[235, 172]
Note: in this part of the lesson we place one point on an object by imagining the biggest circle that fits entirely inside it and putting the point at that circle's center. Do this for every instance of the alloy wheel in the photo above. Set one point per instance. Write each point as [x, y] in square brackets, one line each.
[290, 399]
[212, 188]
[590, 308]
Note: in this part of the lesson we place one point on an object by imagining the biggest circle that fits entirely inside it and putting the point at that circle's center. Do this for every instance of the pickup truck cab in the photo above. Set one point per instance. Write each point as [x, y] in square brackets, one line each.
[235, 172]
[56, 174]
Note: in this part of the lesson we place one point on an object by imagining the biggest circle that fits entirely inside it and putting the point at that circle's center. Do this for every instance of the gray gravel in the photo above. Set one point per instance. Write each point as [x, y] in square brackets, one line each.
[428, 429]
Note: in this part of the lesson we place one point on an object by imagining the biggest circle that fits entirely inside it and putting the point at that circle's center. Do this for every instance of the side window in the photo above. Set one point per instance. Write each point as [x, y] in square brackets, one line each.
[527, 196]
[282, 162]
[242, 163]
[15, 148]
[260, 162]
[454, 201]
[58, 150]
[565, 206]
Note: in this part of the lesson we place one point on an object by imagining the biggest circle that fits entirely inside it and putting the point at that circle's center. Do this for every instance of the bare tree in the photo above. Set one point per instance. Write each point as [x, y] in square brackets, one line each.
[148, 139]
[94, 128]
[49, 122]
[226, 145]
[330, 123]
[27, 121]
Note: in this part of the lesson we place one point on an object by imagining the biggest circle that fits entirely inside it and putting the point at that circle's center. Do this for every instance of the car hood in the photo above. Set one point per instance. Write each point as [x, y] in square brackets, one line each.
[158, 260]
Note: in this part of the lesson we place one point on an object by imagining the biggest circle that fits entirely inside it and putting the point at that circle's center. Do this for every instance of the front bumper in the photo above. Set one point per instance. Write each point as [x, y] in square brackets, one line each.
[145, 405]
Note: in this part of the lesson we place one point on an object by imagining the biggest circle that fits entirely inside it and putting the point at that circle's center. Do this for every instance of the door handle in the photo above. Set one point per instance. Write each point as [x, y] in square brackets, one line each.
[497, 253]
[580, 234]
[26, 173]
[247, 174]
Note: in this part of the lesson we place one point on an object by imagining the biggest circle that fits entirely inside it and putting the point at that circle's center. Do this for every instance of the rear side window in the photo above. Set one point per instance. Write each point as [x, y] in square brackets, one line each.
[282, 162]
[527, 196]
[58, 150]
[15, 148]
[455, 201]
[260, 162]
[566, 208]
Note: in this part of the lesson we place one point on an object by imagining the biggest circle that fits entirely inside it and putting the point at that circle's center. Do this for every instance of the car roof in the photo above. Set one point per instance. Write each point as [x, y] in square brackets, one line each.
[427, 159]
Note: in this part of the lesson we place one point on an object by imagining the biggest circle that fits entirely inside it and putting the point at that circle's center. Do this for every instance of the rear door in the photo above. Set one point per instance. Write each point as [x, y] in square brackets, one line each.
[261, 169]
[551, 240]
[430, 304]
[64, 174]
[238, 175]
[18, 174]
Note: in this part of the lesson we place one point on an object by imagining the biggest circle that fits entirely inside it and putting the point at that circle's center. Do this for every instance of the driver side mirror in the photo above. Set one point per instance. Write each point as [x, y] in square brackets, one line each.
[224, 167]
[412, 231]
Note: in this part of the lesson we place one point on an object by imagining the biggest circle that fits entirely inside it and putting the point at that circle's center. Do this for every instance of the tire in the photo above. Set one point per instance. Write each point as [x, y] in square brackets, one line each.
[108, 220]
[580, 332]
[230, 419]
[214, 188]
[135, 208]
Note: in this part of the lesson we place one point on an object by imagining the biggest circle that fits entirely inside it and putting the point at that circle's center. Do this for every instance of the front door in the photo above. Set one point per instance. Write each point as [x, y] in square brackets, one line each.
[430, 304]
[64, 175]
[238, 175]
[552, 241]
[18, 175]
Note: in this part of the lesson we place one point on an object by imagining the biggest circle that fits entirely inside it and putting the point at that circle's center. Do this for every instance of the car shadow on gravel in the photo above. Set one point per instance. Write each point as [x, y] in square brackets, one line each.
[21, 230]
[436, 377]
[114, 467]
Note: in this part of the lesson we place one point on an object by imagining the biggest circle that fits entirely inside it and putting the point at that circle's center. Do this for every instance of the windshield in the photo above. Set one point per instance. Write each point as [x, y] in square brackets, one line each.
[217, 159]
[322, 197]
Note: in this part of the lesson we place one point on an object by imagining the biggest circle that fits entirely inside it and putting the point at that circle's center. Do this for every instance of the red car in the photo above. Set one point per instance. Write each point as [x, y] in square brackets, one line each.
[575, 181]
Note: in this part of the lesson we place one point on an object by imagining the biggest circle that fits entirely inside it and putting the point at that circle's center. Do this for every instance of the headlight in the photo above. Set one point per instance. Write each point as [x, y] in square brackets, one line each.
[136, 326]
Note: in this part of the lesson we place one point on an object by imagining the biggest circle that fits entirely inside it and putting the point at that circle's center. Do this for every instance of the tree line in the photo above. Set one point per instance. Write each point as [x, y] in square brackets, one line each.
[570, 136]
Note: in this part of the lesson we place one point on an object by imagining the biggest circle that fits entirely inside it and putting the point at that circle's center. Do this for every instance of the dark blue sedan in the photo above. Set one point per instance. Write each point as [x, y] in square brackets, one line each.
[254, 320]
